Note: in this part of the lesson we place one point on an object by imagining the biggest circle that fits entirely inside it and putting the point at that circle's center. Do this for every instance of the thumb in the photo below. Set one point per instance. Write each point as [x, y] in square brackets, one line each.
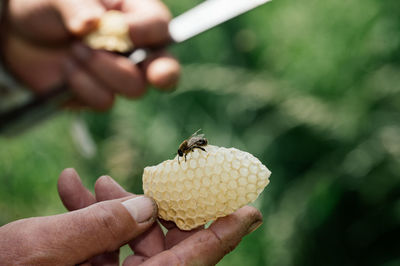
[74, 237]
[80, 17]
[106, 226]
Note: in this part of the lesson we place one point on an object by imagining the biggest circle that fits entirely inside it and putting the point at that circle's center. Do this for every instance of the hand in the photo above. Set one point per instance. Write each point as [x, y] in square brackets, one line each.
[196, 247]
[72, 238]
[40, 45]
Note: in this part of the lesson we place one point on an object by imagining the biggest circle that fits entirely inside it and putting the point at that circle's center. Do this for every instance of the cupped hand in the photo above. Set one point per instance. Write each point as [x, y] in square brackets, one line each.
[41, 46]
[197, 247]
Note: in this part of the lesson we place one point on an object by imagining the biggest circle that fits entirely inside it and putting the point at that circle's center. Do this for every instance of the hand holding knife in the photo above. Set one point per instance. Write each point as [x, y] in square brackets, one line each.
[187, 25]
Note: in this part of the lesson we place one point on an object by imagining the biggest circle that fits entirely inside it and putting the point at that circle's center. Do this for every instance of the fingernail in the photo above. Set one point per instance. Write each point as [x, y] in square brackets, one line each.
[141, 208]
[112, 3]
[75, 24]
[253, 227]
[81, 52]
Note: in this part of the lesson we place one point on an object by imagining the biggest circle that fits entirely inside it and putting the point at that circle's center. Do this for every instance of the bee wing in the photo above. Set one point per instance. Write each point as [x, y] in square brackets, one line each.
[195, 134]
[193, 140]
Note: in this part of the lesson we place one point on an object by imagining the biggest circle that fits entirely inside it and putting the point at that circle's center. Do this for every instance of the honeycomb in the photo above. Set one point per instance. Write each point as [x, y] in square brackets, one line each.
[112, 33]
[207, 186]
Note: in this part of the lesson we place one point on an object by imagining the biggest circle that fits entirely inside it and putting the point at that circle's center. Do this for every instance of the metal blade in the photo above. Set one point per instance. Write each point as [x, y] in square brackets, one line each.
[208, 15]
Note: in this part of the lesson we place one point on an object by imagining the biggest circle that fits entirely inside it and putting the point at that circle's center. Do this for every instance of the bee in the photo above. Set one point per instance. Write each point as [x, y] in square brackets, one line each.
[196, 141]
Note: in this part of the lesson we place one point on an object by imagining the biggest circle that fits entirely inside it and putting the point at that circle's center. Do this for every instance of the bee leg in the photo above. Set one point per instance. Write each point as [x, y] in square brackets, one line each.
[185, 157]
[201, 148]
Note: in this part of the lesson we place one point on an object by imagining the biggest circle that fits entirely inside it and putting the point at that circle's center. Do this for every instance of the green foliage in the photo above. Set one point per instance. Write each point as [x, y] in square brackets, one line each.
[312, 88]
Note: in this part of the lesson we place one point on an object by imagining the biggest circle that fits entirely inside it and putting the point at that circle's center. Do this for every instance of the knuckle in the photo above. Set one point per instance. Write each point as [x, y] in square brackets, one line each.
[106, 221]
[224, 246]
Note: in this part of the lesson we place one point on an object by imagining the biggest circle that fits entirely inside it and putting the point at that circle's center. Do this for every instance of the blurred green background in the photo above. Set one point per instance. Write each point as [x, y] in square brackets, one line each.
[310, 87]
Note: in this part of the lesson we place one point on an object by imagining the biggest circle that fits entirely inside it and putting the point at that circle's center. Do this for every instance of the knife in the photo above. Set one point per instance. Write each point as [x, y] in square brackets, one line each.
[199, 19]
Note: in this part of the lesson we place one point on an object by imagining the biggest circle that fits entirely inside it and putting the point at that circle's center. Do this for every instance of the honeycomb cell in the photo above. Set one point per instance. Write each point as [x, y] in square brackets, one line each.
[188, 184]
[181, 213]
[234, 174]
[191, 213]
[190, 174]
[202, 162]
[185, 195]
[195, 155]
[179, 186]
[229, 156]
[253, 169]
[167, 168]
[175, 167]
[182, 204]
[243, 171]
[241, 190]
[171, 212]
[192, 204]
[193, 164]
[251, 187]
[215, 179]
[227, 166]
[217, 169]
[214, 190]
[200, 220]
[251, 197]
[221, 197]
[184, 166]
[190, 222]
[208, 185]
[242, 200]
[223, 188]
[232, 184]
[206, 182]
[196, 184]
[231, 194]
[252, 179]
[203, 192]
[163, 213]
[220, 158]
[163, 204]
[233, 205]
[210, 209]
[236, 164]
[243, 181]
[246, 162]
[199, 172]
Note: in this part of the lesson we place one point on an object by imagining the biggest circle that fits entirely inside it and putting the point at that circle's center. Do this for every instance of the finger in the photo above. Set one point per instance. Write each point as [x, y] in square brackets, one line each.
[80, 17]
[102, 227]
[86, 88]
[175, 236]
[209, 246]
[148, 21]
[73, 193]
[75, 196]
[106, 259]
[107, 188]
[147, 244]
[114, 71]
[162, 71]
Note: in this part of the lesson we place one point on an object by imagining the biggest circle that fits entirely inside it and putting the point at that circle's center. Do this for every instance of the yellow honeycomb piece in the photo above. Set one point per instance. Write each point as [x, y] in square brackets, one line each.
[208, 185]
[112, 33]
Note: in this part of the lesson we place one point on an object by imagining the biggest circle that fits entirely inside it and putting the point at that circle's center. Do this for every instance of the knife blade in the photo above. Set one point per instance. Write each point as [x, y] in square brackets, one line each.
[200, 18]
